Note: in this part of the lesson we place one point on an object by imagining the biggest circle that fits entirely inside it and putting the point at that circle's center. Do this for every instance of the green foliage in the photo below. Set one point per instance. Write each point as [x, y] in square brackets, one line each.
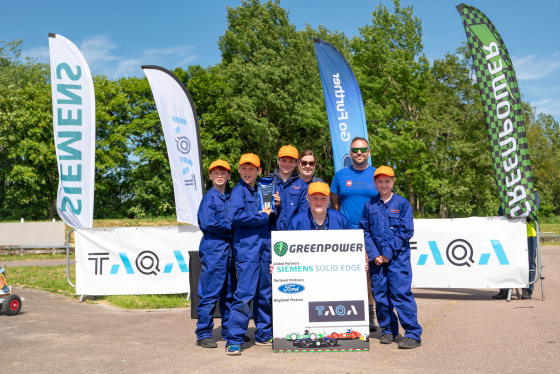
[425, 120]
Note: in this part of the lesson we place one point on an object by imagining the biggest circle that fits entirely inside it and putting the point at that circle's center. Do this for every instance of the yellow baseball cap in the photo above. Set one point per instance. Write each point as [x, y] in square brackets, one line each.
[250, 158]
[318, 187]
[288, 151]
[385, 170]
[219, 163]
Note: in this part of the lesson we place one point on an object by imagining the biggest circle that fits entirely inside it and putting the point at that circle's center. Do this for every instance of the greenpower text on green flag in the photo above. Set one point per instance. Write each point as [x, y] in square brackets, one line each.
[501, 102]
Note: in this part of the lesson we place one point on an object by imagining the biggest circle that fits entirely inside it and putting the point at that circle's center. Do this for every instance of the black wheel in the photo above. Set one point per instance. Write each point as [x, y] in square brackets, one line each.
[12, 305]
[330, 343]
[305, 343]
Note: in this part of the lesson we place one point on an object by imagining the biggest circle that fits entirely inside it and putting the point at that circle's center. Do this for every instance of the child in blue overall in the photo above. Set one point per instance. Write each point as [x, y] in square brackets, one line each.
[251, 251]
[217, 279]
[388, 226]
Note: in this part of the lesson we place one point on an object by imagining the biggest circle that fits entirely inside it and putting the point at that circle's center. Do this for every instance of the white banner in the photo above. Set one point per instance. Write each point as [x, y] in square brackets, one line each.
[73, 100]
[476, 252]
[134, 260]
[180, 127]
[319, 291]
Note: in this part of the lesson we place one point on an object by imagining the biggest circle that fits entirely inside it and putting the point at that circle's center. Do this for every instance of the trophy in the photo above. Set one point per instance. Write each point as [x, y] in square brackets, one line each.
[266, 188]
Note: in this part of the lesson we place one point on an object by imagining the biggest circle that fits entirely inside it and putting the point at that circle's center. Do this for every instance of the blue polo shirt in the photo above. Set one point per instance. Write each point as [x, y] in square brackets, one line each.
[354, 188]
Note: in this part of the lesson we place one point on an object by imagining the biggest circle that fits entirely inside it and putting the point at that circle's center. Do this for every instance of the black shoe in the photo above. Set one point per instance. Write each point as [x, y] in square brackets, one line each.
[409, 343]
[207, 343]
[500, 295]
[526, 294]
[387, 339]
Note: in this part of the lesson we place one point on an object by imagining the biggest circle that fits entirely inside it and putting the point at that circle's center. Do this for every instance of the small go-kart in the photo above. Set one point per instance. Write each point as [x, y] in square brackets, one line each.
[9, 303]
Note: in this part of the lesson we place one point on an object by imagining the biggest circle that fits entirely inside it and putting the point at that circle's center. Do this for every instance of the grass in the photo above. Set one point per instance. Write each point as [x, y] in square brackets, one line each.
[53, 279]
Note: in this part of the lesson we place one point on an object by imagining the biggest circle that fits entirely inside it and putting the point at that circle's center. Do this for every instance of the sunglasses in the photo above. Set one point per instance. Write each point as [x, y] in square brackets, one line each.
[305, 163]
[363, 150]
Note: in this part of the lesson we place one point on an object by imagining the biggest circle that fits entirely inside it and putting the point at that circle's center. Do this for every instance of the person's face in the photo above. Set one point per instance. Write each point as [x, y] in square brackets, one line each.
[360, 157]
[219, 176]
[318, 203]
[248, 173]
[384, 184]
[286, 165]
[307, 166]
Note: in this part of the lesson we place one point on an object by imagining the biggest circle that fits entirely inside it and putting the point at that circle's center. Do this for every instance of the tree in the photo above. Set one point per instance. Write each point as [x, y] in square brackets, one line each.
[393, 75]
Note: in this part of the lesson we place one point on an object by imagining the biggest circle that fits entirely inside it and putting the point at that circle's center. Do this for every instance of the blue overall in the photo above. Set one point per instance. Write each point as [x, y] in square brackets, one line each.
[217, 278]
[293, 199]
[251, 251]
[304, 221]
[388, 228]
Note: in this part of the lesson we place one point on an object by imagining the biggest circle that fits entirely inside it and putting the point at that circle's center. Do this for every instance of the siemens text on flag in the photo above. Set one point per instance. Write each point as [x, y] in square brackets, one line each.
[74, 131]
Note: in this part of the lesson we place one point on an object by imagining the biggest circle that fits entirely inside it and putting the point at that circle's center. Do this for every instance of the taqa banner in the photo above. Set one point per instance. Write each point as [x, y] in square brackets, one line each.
[343, 99]
[501, 102]
[73, 101]
[182, 137]
[134, 260]
[476, 252]
[319, 291]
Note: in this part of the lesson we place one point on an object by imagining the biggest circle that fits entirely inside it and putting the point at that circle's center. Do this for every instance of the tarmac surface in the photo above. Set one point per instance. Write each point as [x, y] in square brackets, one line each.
[465, 330]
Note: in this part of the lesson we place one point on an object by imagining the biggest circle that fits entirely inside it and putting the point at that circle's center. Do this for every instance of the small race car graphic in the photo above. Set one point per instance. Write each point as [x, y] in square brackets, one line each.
[310, 339]
[349, 334]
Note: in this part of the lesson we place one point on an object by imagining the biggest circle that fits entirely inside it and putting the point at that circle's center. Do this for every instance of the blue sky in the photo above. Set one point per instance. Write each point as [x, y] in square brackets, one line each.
[117, 37]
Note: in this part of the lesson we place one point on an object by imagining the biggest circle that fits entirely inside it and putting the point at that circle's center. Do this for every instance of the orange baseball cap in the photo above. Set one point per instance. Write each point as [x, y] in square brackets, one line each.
[250, 158]
[318, 187]
[288, 151]
[219, 163]
[385, 170]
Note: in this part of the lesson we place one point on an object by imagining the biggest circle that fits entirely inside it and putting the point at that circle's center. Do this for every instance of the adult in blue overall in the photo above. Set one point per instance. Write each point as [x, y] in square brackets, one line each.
[318, 216]
[217, 278]
[388, 226]
[291, 191]
[251, 251]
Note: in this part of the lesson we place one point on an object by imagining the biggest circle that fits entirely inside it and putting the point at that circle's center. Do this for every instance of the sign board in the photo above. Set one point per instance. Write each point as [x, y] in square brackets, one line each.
[319, 291]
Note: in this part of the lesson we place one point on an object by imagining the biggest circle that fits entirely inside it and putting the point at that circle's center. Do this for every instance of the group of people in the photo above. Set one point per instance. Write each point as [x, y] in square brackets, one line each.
[235, 250]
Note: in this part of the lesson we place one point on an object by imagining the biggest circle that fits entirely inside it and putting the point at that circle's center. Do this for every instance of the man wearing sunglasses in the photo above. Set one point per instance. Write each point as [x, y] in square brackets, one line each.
[351, 188]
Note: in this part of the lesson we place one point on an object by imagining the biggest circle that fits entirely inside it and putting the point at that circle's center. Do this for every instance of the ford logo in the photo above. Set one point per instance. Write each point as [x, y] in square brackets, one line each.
[291, 288]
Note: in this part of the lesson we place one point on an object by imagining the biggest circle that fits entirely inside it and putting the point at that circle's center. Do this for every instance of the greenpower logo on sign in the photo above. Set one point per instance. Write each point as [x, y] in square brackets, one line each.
[280, 248]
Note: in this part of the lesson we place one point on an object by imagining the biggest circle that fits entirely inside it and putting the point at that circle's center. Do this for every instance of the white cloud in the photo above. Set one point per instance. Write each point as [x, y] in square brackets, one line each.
[170, 58]
[548, 106]
[102, 56]
[40, 53]
[534, 66]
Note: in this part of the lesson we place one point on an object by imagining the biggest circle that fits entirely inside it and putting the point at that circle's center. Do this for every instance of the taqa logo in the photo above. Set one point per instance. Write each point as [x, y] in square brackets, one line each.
[280, 248]
[334, 311]
[291, 288]
[348, 183]
[460, 252]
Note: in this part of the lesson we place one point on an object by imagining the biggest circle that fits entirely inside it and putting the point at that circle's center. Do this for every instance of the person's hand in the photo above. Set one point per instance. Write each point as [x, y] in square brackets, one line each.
[276, 198]
[271, 268]
[267, 210]
[367, 263]
[385, 259]
[379, 260]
